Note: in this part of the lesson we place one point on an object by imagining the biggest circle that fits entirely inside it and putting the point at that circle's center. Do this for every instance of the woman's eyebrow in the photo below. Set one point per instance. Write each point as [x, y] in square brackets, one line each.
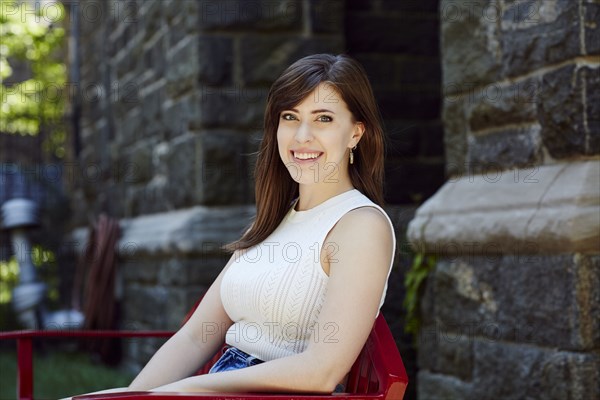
[314, 111]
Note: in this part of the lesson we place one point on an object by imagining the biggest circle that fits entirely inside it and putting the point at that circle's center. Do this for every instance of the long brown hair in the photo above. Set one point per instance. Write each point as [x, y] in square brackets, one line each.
[275, 189]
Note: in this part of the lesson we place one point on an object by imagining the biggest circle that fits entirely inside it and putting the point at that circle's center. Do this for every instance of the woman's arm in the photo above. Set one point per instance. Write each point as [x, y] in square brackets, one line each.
[358, 272]
[193, 345]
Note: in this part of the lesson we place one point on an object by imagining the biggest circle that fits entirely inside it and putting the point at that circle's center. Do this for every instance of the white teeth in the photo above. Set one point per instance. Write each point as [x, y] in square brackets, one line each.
[306, 156]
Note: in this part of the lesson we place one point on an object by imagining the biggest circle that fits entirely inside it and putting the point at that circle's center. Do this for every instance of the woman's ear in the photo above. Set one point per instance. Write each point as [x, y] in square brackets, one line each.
[359, 130]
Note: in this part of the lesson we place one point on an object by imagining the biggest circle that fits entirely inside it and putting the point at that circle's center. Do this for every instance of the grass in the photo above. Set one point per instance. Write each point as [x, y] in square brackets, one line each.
[59, 374]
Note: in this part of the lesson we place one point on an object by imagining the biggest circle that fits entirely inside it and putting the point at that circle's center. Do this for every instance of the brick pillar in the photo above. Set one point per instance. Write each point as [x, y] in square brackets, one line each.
[511, 308]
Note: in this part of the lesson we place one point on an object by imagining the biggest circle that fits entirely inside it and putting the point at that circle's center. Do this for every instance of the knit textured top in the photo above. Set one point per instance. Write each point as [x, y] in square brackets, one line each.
[274, 291]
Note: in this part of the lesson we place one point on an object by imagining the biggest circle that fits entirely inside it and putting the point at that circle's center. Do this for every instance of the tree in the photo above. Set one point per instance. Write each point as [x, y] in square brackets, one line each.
[30, 37]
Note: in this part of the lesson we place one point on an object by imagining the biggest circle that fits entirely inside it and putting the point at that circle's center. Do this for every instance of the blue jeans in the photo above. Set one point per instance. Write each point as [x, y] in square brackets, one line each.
[233, 358]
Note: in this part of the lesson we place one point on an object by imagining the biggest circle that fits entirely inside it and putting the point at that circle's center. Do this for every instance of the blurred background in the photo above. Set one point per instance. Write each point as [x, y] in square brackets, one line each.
[127, 133]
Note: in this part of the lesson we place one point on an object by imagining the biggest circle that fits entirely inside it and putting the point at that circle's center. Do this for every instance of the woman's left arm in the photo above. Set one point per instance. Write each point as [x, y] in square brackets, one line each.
[358, 272]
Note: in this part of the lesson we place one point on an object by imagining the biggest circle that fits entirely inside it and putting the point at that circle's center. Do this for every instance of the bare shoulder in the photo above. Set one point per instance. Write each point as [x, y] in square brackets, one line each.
[362, 236]
[365, 225]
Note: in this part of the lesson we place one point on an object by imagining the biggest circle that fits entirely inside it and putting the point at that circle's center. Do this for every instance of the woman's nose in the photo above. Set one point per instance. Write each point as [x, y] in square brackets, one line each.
[303, 133]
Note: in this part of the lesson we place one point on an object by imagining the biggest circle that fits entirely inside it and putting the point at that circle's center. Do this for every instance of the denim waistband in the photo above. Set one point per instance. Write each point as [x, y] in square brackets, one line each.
[234, 358]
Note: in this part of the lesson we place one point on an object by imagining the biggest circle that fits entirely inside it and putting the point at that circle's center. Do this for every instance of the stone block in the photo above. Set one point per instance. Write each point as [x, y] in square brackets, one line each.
[174, 272]
[264, 58]
[215, 60]
[469, 44]
[177, 114]
[172, 9]
[181, 162]
[148, 304]
[495, 297]
[537, 33]
[182, 232]
[262, 15]
[561, 111]
[147, 198]
[591, 16]
[177, 306]
[183, 66]
[204, 269]
[174, 32]
[449, 353]
[455, 136]
[137, 269]
[590, 79]
[505, 370]
[496, 105]
[112, 198]
[150, 16]
[442, 387]
[327, 16]
[185, 272]
[512, 147]
[151, 103]
[588, 299]
[126, 94]
[231, 106]
[221, 174]
[415, 35]
[529, 207]
[155, 57]
[126, 62]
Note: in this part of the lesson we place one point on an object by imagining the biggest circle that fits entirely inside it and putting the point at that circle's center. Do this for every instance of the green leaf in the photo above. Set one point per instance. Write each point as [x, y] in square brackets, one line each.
[413, 282]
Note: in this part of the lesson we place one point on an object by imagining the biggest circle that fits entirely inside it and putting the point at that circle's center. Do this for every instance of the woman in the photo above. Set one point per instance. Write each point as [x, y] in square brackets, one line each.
[298, 298]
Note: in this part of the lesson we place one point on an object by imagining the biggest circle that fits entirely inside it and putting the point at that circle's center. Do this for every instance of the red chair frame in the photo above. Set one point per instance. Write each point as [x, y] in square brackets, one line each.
[378, 372]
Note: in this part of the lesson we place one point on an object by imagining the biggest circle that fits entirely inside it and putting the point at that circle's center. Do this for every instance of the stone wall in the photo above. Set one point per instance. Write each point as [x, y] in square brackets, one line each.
[511, 308]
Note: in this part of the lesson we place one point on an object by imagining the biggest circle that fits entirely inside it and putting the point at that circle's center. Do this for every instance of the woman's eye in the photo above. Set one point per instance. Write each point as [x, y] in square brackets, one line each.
[324, 118]
[288, 117]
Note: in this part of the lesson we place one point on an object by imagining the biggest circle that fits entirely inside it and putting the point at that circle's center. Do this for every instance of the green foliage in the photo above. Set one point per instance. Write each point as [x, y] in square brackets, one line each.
[46, 266]
[9, 275]
[413, 282]
[30, 40]
[60, 374]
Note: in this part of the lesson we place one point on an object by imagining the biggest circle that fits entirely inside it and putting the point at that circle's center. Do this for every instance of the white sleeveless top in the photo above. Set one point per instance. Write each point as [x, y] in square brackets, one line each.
[274, 291]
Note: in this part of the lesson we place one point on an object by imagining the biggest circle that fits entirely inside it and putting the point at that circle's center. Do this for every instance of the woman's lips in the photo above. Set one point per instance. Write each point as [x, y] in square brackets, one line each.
[307, 161]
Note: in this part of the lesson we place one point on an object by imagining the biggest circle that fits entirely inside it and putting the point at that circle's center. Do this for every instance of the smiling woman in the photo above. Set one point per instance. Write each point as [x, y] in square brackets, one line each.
[300, 294]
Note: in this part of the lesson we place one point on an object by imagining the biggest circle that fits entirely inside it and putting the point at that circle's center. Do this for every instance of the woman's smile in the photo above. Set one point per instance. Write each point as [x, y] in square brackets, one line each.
[305, 157]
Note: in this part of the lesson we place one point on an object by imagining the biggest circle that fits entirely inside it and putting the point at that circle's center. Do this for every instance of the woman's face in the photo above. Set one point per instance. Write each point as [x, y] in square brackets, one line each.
[315, 137]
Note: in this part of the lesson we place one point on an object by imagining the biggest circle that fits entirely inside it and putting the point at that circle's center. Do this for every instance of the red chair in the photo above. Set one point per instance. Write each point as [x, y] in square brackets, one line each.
[378, 372]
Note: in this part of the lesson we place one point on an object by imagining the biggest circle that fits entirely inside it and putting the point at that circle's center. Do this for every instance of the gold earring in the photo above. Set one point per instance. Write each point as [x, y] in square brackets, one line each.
[352, 155]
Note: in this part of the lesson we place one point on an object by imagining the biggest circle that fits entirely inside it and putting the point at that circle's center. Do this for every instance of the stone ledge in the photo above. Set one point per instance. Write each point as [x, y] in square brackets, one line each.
[194, 230]
[510, 371]
[551, 209]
